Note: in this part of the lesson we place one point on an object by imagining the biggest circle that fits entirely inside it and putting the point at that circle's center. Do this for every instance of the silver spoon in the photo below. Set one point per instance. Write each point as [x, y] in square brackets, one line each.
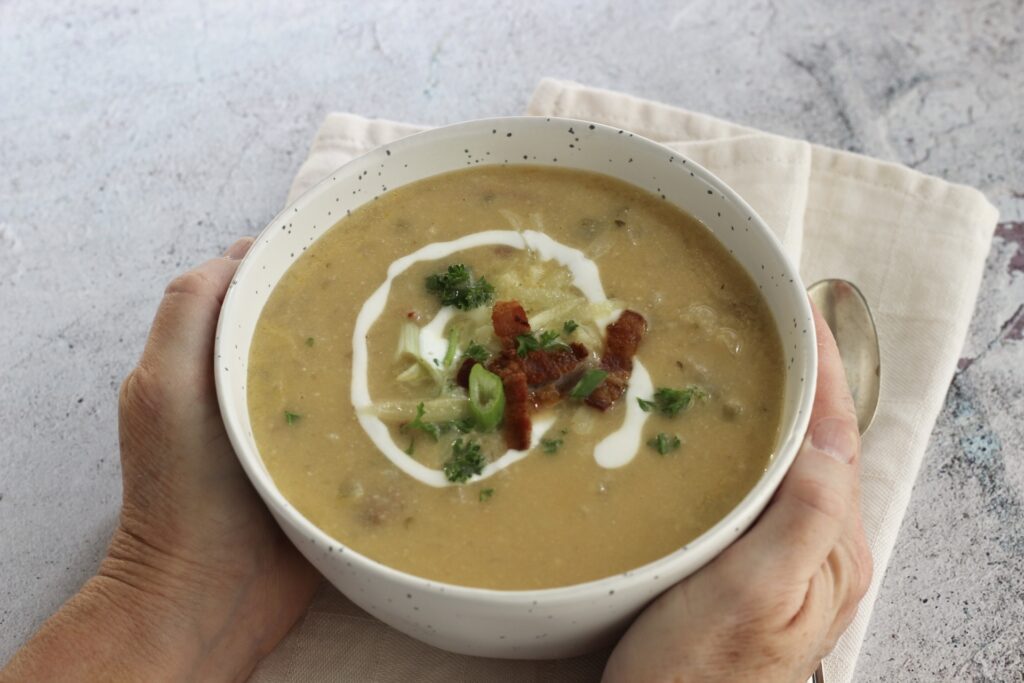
[848, 316]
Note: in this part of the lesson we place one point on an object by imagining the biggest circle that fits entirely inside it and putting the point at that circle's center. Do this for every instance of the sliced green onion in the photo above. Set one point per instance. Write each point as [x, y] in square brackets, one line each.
[408, 341]
[453, 346]
[413, 373]
[590, 381]
[486, 398]
[435, 410]
[409, 345]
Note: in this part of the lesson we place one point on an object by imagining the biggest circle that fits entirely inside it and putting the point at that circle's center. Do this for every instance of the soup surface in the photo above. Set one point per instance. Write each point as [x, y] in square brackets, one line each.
[357, 409]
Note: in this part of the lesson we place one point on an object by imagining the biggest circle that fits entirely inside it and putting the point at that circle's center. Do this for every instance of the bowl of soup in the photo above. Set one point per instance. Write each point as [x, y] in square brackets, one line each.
[506, 381]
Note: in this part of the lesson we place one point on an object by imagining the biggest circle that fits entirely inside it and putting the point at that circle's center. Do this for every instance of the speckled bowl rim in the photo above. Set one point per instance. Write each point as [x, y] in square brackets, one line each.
[731, 526]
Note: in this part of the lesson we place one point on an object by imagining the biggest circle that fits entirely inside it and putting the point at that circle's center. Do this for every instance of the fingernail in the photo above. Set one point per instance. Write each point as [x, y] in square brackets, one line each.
[238, 249]
[836, 437]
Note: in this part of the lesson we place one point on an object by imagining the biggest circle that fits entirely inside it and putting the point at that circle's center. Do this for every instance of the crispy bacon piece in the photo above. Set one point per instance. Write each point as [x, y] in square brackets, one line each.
[543, 367]
[552, 373]
[624, 336]
[509, 320]
[518, 427]
[614, 386]
[547, 395]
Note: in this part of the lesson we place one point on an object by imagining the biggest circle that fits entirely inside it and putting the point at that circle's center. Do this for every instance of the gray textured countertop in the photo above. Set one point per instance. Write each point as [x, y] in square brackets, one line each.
[138, 140]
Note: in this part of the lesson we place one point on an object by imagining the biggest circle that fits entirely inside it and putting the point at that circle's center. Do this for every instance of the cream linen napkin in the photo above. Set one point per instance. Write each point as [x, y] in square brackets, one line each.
[915, 245]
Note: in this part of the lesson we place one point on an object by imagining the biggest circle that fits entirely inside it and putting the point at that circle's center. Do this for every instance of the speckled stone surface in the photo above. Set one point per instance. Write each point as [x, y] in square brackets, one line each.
[136, 140]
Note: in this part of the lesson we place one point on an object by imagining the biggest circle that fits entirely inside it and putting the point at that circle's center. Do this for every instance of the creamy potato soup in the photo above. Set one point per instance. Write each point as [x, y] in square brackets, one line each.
[516, 378]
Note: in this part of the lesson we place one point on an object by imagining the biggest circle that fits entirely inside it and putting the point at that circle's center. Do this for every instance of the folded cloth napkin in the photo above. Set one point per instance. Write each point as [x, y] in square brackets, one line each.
[914, 244]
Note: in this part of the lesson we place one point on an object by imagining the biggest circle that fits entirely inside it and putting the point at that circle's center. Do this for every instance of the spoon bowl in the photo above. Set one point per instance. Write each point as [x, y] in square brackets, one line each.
[846, 311]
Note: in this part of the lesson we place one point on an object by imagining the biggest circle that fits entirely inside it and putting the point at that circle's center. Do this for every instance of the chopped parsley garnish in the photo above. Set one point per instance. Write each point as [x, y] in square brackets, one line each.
[664, 443]
[426, 427]
[526, 343]
[671, 402]
[464, 425]
[456, 287]
[646, 405]
[290, 417]
[485, 494]
[569, 326]
[310, 341]
[590, 381]
[551, 446]
[412, 446]
[477, 352]
[466, 460]
[547, 340]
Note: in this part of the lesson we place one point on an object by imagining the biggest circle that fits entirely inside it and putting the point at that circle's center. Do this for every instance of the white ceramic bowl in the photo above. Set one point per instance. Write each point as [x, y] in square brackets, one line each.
[548, 623]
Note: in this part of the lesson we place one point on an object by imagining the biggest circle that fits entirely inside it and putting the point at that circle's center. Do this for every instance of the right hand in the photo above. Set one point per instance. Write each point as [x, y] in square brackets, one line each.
[775, 602]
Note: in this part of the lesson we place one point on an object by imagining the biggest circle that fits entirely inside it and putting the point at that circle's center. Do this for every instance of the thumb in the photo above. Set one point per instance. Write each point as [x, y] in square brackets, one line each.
[812, 507]
[179, 349]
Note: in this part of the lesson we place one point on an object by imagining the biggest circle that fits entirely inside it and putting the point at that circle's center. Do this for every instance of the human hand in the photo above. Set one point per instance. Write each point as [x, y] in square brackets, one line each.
[775, 602]
[199, 582]
[192, 527]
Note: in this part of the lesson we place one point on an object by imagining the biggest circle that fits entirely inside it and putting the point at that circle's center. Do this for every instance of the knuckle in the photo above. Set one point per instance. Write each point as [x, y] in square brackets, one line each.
[855, 568]
[863, 568]
[142, 425]
[140, 395]
[192, 283]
